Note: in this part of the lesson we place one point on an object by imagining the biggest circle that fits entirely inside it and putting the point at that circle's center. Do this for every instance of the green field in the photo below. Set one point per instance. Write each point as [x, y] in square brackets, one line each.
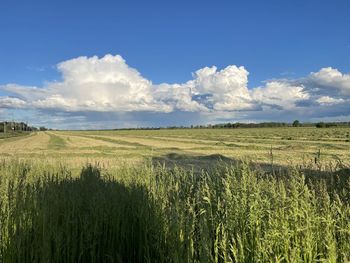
[182, 195]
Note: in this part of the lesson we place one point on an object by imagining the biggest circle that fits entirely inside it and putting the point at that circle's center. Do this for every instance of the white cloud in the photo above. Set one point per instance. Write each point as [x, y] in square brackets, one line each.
[109, 85]
[179, 96]
[94, 84]
[326, 100]
[8, 102]
[228, 87]
[105, 84]
[280, 94]
[27, 93]
[330, 78]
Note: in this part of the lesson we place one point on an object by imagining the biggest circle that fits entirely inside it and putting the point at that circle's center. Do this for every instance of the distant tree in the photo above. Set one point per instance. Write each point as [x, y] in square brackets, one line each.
[321, 125]
[296, 123]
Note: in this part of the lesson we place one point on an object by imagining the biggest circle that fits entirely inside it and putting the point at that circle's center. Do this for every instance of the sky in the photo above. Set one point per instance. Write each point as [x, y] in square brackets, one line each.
[116, 64]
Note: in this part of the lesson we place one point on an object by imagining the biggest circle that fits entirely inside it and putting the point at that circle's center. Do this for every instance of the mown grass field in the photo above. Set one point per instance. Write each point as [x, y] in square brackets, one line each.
[12, 134]
[244, 195]
[289, 146]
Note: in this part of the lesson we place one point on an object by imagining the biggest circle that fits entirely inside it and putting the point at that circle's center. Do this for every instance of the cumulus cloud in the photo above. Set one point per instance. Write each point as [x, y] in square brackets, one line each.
[104, 84]
[328, 87]
[93, 84]
[180, 97]
[330, 78]
[109, 85]
[227, 89]
[280, 94]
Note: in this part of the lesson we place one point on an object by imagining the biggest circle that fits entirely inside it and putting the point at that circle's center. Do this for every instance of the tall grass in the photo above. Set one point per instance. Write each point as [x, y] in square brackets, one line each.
[154, 214]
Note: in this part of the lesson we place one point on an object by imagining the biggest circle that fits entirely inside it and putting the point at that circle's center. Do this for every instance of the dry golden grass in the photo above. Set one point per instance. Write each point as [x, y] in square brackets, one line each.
[76, 142]
[289, 145]
[36, 142]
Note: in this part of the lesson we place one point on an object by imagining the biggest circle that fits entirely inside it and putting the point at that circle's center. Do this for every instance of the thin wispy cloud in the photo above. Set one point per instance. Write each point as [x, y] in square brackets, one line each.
[287, 73]
[36, 68]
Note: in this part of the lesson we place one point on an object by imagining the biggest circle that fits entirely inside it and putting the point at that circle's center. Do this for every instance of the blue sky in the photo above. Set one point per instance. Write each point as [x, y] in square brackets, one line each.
[279, 44]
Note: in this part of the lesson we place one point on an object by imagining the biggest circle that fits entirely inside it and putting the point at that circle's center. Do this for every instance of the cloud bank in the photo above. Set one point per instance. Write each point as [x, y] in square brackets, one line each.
[109, 86]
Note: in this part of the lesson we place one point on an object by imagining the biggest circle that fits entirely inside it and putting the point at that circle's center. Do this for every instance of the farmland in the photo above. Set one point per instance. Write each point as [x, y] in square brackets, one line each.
[176, 195]
[12, 134]
[289, 146]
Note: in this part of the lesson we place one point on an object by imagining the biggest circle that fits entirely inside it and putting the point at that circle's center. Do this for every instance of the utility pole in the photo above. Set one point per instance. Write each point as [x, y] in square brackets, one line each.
[5, 124]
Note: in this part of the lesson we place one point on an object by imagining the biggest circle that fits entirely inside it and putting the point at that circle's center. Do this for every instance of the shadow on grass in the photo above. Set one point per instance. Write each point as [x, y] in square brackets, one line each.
[95, 219]
[336, 179]
[88, 219]
[197, 163]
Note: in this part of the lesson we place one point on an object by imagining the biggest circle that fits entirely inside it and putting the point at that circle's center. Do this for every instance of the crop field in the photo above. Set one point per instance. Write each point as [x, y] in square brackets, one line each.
[176, 195]
[283, 146]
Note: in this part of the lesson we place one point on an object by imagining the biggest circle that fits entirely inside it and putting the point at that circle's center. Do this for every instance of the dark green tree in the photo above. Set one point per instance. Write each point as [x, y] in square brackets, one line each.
[296, 123]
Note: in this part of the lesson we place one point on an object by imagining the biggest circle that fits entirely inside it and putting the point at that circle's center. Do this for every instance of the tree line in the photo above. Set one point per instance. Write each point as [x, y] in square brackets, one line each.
[11, 126]
[296, 123]
[236, 125]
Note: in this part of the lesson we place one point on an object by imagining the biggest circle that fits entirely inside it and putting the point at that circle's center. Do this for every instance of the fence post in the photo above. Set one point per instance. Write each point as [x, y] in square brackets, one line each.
[271, 159]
